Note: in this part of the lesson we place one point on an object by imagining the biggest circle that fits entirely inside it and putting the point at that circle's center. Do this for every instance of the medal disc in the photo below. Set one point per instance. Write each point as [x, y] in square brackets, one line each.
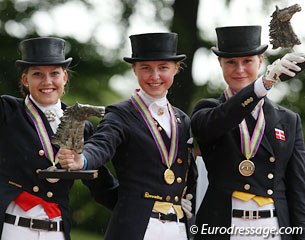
[169, 176]
[246, 168]
[52, 180]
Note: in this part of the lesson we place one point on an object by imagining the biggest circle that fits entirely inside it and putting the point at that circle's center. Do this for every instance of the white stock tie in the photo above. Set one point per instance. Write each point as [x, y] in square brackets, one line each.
[161, 114]
[53, 115]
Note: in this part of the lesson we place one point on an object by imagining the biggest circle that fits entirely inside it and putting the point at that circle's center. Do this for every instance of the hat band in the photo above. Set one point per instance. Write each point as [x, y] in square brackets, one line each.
[238, 49]
[154, 55]
[45, 59]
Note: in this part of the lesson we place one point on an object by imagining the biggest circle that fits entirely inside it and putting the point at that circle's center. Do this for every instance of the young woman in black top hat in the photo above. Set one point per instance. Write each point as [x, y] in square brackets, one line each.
[146, 139]
[253, 148]
[33, 208]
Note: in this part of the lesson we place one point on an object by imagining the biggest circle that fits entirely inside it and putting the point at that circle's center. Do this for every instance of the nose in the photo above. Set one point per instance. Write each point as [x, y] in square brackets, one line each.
[155, 74]
[240, 67]
[47, 79]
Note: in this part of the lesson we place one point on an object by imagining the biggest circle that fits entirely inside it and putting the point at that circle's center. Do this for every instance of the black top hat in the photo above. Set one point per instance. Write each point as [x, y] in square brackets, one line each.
[239, 41]
[42, 51]
[154, 47]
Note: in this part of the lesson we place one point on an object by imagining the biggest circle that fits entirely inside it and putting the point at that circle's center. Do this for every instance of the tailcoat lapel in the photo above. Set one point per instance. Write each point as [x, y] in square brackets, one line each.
[45, 122]
[271, 112]
[166, 139]
[43, 118]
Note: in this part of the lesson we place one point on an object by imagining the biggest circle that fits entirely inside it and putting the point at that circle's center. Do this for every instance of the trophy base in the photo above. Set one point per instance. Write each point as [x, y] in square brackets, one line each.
[68, 174]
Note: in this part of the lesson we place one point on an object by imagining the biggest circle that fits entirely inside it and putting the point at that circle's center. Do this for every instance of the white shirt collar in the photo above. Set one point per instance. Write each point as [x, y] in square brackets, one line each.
[155, 105]
[55, 107]
[255, 111]
[150, 100]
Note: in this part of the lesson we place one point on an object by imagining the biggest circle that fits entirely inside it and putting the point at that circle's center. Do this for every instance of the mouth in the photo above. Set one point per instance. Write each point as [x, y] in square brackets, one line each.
[47, 90]
[155, 84]
[240, 78]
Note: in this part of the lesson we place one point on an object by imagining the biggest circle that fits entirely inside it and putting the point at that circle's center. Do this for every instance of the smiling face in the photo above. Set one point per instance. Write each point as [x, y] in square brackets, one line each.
[156, 77]
[239, 72]
[45, 83]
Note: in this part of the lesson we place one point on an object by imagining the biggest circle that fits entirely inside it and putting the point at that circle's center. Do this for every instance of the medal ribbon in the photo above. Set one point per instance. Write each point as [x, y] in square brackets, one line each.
[40, 129]
[249, 146]
[167, 158]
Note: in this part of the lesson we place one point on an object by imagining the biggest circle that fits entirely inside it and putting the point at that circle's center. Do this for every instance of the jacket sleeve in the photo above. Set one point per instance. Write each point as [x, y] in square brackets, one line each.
[214, 118]
[295, 175]
[103, 189]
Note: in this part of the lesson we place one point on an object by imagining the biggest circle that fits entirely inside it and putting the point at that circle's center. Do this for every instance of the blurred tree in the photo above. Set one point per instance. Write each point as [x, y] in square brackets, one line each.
[185, 24]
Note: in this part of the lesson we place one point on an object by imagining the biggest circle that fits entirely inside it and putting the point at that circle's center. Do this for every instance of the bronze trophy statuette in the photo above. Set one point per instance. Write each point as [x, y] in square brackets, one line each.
[70, 135]
[281, 33]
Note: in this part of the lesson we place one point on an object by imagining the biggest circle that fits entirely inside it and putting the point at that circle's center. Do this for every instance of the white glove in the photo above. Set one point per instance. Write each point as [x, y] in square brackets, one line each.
[186, 205]
[284, 66]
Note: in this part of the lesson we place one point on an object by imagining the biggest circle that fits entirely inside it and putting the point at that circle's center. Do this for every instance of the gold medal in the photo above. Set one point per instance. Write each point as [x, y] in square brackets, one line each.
[246, 168]
[169, 176]
[52, 180]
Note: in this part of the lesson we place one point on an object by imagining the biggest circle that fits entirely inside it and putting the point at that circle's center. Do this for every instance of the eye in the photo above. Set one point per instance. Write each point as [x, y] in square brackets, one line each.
[249, 60]
[230, 61]
[55, 73]
[164, 67]
[144, 68]
[37, 74]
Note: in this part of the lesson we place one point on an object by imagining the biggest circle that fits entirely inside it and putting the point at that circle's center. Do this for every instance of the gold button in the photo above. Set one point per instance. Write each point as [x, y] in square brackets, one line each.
[168, 198]
[49, 194]
[35, 189]
[179, 179]
[247, 186]
[38, 170]
[270, 176]
[272, 159]
[176, 198]
[269, 192]
[160, 129]
[41, 152]
[179, 161]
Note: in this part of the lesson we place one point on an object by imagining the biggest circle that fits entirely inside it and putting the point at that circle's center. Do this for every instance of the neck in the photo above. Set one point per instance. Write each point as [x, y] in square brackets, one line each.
[43, 106]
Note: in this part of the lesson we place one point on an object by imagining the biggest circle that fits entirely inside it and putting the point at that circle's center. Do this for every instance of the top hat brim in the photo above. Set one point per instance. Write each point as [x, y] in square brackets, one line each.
[256, 51]
[20, 64]
[171, 58]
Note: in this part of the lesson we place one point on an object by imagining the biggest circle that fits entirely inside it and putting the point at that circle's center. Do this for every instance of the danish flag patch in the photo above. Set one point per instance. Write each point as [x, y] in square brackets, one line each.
[279, 134]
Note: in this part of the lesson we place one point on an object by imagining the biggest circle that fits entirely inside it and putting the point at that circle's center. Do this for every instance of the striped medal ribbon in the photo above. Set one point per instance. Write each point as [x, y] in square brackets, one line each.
[249, 146]
[167, 157]
[33, 114]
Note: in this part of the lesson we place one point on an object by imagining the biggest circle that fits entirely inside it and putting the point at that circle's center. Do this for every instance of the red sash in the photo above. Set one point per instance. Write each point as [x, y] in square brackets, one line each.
[27, 201]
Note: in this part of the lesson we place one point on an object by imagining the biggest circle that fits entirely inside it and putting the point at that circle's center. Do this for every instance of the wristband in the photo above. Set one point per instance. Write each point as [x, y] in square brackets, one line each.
[267, 86]
[85, 162]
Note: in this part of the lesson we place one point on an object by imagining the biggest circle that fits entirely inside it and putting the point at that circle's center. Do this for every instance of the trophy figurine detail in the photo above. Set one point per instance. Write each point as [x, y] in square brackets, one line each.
[281, 33]
[70, 135]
